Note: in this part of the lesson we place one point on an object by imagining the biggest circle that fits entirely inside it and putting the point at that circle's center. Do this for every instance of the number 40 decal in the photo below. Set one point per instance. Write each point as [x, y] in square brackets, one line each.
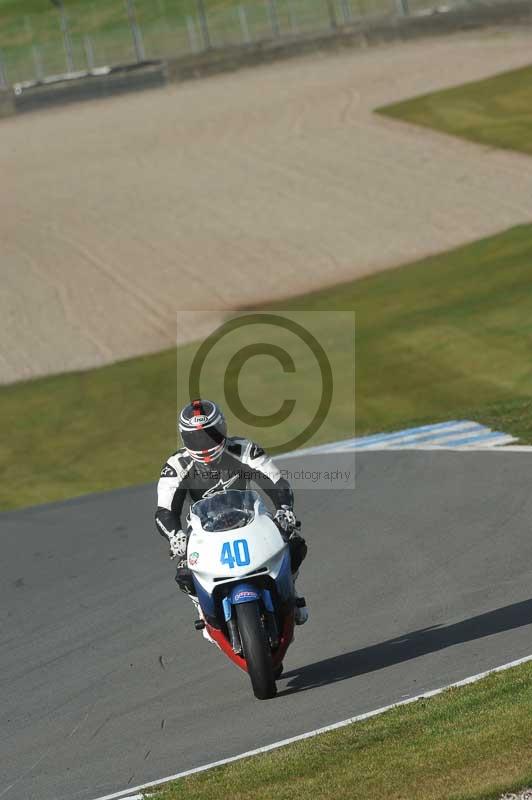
[236, 552]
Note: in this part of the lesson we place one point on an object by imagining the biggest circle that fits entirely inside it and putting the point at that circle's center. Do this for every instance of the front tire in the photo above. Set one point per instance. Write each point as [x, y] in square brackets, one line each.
[256, 650]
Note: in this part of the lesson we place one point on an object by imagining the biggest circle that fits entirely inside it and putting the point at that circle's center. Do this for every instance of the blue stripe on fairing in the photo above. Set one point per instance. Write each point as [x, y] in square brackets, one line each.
[205, 599]
[267, 598]
[284, 580]
[226, 602]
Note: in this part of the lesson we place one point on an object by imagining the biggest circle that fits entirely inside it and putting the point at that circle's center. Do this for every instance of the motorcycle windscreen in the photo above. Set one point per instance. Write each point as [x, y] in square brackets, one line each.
[227, 510]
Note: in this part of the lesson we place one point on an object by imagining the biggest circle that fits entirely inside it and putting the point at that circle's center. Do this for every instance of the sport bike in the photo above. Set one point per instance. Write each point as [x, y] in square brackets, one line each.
[240, 565]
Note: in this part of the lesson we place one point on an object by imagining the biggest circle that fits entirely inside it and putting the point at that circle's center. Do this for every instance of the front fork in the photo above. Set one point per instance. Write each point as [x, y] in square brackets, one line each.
[234, 636]
[272, 629]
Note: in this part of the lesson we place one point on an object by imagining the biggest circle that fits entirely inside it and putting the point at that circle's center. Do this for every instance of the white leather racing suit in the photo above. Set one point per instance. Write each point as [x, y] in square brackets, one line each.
[241, 462]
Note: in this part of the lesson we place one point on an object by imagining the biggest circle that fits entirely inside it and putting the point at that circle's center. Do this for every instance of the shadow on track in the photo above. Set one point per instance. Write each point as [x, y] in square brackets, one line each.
[406, 647]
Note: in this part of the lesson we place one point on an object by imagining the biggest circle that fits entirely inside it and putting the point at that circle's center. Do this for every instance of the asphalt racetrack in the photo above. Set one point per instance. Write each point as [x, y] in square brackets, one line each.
[419, 577]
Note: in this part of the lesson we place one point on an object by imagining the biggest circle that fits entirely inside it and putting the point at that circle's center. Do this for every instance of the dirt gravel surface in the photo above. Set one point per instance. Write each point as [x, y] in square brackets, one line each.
[114, 214]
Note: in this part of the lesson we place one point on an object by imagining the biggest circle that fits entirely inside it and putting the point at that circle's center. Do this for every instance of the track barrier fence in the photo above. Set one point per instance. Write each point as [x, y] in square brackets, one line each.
[67, 40]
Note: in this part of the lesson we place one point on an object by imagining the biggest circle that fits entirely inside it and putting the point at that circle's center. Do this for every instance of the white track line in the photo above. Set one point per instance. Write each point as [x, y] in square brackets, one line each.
[473, 679]
[518, 448]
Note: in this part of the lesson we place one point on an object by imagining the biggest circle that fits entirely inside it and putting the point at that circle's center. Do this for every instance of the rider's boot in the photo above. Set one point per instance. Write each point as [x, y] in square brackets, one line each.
[301, 611]
[301, 615]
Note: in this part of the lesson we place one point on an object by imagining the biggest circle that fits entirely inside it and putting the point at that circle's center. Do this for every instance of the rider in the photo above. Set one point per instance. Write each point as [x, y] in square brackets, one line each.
[210, 462]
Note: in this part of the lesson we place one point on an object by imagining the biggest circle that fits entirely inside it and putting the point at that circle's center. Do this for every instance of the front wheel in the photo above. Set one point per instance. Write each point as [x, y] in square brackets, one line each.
[256, 650]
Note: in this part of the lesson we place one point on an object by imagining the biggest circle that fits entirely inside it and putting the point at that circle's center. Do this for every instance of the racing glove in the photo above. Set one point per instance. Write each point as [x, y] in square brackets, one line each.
[178, 545]
[285, 519]
[288, 525]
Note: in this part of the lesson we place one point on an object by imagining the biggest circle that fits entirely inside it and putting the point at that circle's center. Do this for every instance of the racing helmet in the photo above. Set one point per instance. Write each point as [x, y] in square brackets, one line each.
[203, 430]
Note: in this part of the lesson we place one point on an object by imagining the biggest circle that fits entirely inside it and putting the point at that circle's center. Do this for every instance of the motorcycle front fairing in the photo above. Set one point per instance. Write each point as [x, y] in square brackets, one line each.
[222, 557]
[243, 564]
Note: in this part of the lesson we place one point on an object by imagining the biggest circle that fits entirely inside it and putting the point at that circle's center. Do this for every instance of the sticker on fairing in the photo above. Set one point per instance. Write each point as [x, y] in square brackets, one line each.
[236, 552]
[193, 559]
[245, 594]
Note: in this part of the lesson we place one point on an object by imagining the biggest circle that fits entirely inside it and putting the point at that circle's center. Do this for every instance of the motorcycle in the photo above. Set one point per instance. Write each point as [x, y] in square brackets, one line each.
[240, 566]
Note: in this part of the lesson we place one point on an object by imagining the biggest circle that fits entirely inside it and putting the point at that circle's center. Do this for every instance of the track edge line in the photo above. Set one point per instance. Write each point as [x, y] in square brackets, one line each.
[123, 795]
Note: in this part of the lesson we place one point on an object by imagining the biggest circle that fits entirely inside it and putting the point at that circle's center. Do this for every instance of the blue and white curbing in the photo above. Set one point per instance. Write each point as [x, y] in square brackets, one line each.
[456, 434]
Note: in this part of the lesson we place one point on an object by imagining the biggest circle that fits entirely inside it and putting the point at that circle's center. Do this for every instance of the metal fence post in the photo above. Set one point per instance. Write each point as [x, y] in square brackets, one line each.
[274, 18]
[202, 16]
[136, 34]
[346, 12]
[402, 7]
[89, 52]
[244, 27]
[192, 38]
[332, 14]
[37, 62]
[291, 15]
[3, 74]
[67, 40]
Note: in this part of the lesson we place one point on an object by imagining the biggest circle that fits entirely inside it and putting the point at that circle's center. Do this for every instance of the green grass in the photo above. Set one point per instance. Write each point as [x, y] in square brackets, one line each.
[446, 337]
[495, 112]
[31, 42]
[470, 743]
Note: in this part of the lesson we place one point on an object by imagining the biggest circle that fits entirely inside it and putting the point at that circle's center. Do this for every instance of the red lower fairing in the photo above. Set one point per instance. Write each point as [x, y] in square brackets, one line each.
[277, 656]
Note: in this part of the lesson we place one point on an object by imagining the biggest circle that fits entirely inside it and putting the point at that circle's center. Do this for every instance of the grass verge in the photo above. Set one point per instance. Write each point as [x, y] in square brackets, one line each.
[446, 337]
[496, 111]
[470, 743]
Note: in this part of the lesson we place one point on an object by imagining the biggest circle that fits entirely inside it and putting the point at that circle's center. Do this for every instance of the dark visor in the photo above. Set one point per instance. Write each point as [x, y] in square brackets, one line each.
[202, 439]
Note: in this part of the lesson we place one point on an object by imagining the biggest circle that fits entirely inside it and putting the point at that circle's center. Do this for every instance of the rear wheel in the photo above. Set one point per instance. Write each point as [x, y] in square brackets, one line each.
[256, 650]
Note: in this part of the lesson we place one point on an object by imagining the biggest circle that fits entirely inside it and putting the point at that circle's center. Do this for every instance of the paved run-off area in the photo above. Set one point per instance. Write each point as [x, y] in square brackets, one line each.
[115, 214]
